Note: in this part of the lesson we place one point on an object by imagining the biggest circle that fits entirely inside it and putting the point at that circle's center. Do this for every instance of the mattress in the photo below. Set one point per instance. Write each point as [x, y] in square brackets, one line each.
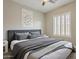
[59, 54]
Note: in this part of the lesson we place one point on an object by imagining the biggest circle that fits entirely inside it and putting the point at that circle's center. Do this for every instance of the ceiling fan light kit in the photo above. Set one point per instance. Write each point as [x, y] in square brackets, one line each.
[45, 0]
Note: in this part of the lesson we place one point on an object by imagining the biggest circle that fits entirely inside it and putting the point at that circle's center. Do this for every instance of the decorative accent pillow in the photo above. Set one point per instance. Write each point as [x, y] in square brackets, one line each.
[35, 35]
[21, 36]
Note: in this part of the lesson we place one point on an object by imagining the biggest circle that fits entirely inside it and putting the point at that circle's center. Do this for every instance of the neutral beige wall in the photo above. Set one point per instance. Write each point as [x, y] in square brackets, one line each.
[12, 17]
[49, 20]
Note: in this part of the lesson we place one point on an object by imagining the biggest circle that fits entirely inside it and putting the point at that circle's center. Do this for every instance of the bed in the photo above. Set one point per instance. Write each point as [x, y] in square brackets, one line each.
[37, 46]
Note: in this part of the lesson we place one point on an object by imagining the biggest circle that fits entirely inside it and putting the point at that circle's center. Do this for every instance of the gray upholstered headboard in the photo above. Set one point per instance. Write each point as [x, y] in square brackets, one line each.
[11, 33]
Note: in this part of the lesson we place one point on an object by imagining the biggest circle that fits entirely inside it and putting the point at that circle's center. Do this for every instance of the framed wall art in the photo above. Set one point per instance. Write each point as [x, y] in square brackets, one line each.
[27, 18]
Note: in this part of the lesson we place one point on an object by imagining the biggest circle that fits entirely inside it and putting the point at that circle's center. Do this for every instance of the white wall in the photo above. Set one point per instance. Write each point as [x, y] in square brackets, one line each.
[12, 17]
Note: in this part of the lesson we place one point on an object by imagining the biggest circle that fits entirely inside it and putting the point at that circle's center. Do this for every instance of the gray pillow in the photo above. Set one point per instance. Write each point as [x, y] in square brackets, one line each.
[21, 36]
[35, 35]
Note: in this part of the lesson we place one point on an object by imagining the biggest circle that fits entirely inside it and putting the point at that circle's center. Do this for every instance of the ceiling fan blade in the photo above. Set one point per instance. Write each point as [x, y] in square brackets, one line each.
[52, 1]
[45, 1]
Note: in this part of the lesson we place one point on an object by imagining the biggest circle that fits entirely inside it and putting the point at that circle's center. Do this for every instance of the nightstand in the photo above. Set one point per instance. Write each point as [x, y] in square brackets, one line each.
[5, 46]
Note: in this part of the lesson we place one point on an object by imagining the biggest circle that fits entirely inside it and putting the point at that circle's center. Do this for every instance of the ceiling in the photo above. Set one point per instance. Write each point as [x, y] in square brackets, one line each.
[36, 4]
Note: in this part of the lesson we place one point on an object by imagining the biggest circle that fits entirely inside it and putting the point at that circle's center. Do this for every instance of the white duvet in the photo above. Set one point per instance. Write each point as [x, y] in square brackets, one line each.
[59, 54]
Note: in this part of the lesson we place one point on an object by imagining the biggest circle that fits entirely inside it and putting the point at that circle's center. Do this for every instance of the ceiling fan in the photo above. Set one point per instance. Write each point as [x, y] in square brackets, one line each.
[45, 1]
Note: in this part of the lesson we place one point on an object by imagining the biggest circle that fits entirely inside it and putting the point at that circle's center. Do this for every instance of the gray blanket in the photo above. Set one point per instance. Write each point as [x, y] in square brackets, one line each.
[21, 48]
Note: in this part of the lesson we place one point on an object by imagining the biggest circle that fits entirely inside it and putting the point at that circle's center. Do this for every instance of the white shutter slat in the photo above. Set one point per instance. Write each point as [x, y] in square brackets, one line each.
[62, 25]
[58, 23]
[68, 24]
[54, 25]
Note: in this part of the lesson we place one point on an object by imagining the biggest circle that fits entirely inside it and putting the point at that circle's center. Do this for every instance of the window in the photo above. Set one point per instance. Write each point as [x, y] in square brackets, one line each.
[62, 24]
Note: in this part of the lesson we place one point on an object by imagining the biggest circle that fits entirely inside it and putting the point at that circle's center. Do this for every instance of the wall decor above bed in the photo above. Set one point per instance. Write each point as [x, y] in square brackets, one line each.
[27, 18]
